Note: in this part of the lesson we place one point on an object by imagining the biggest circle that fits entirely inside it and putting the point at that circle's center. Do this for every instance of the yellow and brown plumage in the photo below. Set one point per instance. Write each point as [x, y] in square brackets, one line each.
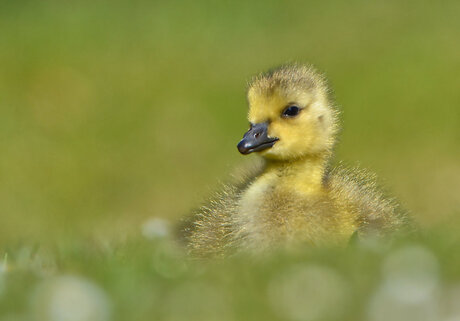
[293, 196]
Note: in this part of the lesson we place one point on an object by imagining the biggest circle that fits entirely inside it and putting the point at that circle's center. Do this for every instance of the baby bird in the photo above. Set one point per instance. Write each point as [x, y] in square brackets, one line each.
[294, 196]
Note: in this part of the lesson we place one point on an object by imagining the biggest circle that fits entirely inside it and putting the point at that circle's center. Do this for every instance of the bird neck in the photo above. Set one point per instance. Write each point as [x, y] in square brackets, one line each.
[304, 175]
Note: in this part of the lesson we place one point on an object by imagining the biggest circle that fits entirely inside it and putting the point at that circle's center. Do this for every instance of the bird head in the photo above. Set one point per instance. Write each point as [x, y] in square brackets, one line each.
[290, 115]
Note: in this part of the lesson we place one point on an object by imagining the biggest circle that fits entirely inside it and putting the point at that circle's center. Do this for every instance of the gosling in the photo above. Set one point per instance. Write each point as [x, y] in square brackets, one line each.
[294, 197]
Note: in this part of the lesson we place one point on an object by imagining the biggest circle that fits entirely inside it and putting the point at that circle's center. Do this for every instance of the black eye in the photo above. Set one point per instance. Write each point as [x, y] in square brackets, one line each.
[291, 111]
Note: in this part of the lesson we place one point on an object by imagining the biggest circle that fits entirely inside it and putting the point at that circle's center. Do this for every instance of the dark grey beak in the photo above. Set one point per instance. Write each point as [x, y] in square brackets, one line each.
[256, 139]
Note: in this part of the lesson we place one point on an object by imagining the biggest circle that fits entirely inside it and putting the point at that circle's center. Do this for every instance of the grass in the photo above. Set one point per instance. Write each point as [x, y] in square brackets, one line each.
[150, 279]
[113, 113]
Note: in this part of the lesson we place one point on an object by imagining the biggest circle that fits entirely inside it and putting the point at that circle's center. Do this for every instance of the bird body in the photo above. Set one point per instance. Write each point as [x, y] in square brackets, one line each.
[293, 197]
[289, 202]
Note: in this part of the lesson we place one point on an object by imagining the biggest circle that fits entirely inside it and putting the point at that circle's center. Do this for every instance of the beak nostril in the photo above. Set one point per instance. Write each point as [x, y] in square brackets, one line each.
[256, 139]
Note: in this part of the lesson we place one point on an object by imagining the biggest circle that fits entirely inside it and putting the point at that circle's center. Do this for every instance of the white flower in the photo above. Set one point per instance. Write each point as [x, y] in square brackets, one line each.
[155, 228]
[70, 298]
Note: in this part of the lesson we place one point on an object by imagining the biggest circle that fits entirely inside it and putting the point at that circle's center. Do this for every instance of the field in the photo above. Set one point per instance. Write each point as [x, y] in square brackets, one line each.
[118, 118]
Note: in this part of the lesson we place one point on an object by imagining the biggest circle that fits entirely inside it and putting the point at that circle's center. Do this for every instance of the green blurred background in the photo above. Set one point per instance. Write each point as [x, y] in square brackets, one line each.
[113, 112]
